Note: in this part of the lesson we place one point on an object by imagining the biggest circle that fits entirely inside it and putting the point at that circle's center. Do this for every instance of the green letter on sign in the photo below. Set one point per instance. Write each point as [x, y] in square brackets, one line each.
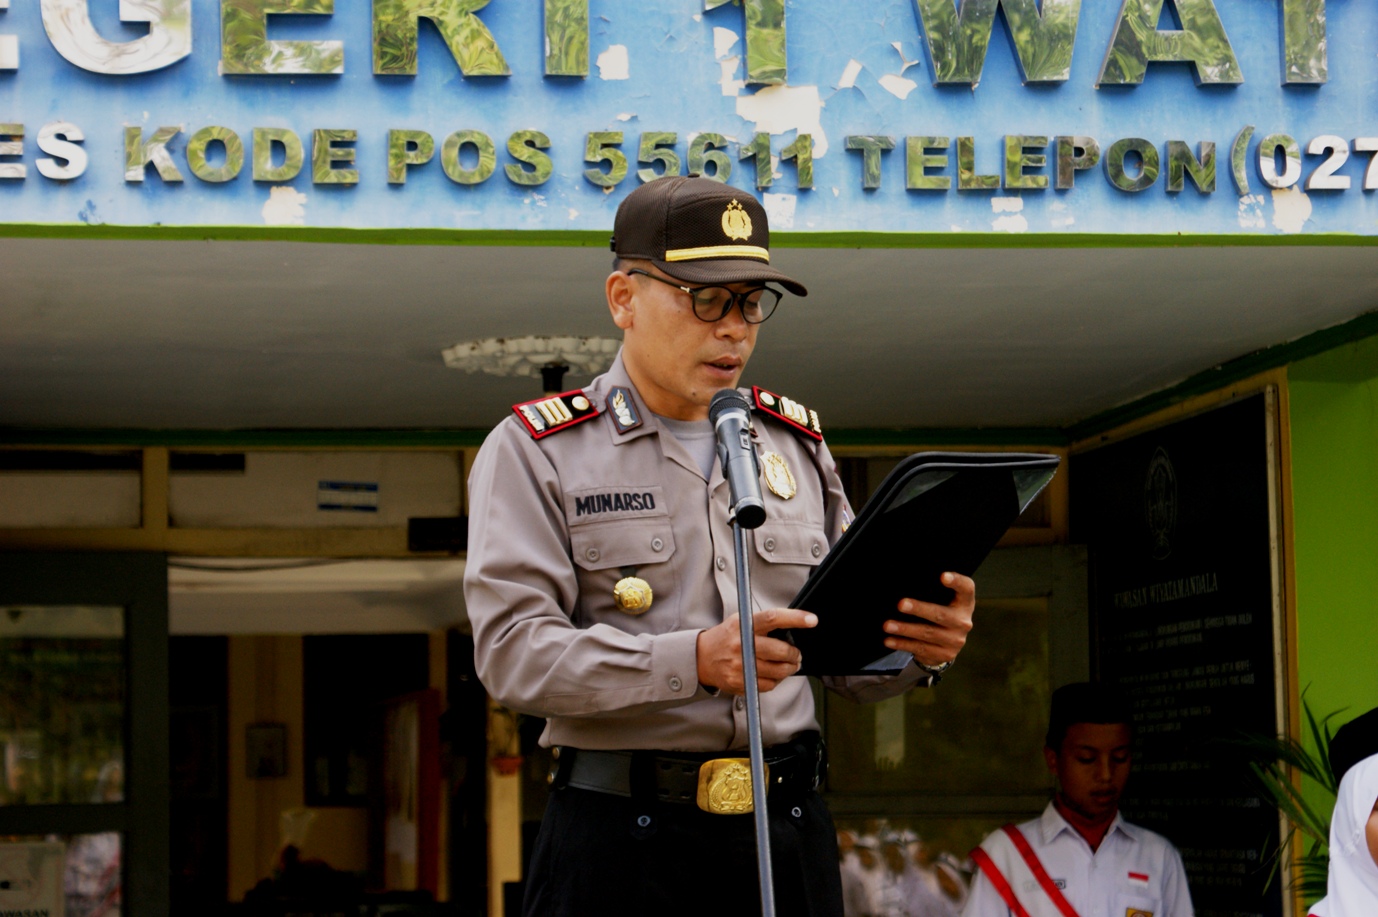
[244, 45]
[871, 147]
[407, 148]
[765, 38]
[324, 155]
[394, 36]
[454, 145]
[525, 146]
[566, 37]
[137, 154]
[1202, 42]
[292, 154]
[200, 165]
[957, 41]
[1303, 42]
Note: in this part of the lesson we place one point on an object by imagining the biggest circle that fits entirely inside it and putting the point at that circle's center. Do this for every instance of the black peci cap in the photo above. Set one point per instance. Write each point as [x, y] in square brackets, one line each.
[1353, 742]
[698, 230]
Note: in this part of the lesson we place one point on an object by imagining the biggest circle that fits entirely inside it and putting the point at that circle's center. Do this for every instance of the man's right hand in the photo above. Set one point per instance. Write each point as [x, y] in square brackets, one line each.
[720, 651]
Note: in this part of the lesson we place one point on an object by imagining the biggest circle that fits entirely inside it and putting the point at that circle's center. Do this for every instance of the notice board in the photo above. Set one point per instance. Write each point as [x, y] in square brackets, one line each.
[1180, 525]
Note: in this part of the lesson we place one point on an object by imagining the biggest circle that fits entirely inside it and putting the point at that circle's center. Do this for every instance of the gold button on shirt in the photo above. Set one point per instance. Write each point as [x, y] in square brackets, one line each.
[552, 525]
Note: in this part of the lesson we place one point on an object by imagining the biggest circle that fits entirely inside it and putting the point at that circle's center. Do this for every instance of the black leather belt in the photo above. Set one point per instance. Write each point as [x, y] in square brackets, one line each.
[689, 777]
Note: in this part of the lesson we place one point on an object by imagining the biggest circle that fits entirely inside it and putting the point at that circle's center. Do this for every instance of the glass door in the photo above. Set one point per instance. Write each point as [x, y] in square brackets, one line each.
[83, 734]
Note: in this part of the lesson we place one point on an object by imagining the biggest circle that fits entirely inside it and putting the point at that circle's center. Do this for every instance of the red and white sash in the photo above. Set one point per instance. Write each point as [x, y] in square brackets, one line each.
[1007, 872]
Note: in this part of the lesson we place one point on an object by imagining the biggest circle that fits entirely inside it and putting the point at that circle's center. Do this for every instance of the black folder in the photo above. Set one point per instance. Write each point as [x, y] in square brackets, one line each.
[935, 512]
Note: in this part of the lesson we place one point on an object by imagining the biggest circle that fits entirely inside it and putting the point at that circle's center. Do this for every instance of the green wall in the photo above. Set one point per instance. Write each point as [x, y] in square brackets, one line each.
[1334, 421]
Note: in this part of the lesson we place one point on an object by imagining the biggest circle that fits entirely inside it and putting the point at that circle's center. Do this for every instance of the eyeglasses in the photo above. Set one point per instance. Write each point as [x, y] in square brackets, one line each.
[712, 303]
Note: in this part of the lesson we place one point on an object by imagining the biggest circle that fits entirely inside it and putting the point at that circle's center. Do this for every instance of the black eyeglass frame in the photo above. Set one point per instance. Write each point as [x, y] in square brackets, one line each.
[735, 298]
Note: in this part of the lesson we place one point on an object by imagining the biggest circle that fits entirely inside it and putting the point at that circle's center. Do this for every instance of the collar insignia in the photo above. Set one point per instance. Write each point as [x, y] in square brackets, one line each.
[553, 413]
[736, 222]
[623, 410]
[791, 412]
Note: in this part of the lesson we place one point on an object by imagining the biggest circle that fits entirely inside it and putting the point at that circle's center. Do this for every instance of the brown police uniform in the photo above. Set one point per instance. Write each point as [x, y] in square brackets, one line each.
[557, 522]
[582, 508]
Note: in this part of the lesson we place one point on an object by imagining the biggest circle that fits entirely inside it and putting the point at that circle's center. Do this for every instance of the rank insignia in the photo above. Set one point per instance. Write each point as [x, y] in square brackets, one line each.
[779, 478]
[623, 410]
[554, 413]
[791, 412]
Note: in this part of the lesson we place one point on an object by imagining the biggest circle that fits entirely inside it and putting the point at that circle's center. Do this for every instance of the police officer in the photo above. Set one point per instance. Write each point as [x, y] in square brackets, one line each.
[601, 586]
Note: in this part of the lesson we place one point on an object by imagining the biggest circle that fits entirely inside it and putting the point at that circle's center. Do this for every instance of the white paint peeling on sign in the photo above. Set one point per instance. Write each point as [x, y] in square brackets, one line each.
[286, 206]
[1063, 218]
[731, 86]
[1015, 222]
[905, 62]
[898, 86]
[613, 63]
[723, 40]
[1251, 212]
[9, 51]
[625, 116]
[1291, 209]
[849, 75]
[778, 109]
[780, 209]
[573, 214]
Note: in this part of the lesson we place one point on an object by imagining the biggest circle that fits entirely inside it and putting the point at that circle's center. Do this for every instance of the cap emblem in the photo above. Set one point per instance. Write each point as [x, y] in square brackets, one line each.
[736, 222]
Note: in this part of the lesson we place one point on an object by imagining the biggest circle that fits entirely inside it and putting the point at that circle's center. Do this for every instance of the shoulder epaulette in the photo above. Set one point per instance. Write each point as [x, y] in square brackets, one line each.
[553, 413]
[791, 412]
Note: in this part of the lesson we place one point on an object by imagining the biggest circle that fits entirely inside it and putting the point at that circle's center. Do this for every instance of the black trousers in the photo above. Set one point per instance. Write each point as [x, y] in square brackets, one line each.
[600, 855]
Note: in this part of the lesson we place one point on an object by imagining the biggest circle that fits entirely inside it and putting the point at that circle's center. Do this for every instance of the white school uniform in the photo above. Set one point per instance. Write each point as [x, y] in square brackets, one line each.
[1134, 872]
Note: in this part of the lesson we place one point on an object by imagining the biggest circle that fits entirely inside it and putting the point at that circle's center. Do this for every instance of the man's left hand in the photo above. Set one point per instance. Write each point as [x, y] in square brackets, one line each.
[941, 631]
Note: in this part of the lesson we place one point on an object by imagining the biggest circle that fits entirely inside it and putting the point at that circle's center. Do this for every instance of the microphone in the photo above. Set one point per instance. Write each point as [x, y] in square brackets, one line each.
[731, 416]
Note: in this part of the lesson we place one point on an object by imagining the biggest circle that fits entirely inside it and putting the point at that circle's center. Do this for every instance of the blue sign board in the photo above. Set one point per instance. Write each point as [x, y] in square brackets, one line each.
[1116, 117]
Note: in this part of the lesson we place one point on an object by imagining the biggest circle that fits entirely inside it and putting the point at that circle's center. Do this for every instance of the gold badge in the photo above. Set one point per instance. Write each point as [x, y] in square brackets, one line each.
[1136, 912]
[725, 786]
[632, 595]
[580, 403]
[779, 478]
[736, 222]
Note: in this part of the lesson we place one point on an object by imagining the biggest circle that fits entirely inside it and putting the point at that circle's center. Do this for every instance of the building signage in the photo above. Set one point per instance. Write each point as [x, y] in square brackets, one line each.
[1099, 116]
[1178, 522]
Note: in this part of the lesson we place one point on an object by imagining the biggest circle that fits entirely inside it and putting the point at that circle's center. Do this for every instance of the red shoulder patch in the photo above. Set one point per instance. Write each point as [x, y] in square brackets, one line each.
[790, 412]
[553, 413]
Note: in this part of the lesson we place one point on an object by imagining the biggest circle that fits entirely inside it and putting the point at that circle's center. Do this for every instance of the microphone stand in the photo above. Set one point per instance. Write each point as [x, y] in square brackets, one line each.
[753, 721]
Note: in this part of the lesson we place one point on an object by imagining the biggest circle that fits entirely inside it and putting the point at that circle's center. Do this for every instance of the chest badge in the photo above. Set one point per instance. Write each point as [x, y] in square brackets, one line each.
[632, 594]
[779, 478]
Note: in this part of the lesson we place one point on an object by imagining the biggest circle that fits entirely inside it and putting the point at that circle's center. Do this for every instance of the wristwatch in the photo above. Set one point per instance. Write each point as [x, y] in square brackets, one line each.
[937, 671]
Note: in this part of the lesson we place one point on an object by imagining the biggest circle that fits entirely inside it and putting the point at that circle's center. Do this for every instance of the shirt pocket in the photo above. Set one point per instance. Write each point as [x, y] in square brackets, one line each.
[1137, 904]
[788, 551]
[642, 547]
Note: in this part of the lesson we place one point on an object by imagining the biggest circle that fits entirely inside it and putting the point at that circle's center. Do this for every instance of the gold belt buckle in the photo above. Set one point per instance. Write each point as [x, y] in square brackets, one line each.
[725, 786]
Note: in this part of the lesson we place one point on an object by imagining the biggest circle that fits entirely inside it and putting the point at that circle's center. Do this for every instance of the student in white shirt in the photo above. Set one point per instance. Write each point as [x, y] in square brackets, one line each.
[1352, 885]
[1080, 857]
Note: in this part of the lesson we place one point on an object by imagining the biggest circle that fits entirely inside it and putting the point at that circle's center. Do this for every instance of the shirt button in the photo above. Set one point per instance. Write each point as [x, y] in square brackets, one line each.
[657, 544]
[675, 683]
[770, 544]
[722, 563]
[591, 554]
[739, 703]
[817, 549]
